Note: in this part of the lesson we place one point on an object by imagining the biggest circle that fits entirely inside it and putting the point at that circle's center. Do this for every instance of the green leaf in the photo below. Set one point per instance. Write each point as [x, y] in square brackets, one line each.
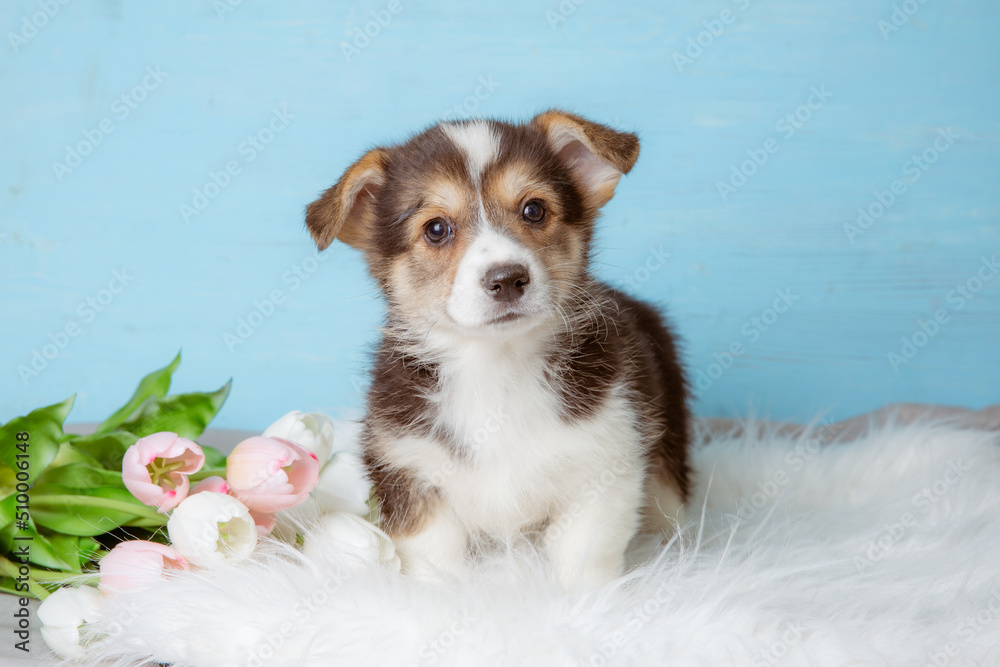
[81, 476]
[41, 550]
[67, 547]
[156, 384]
[8, 479]
[44, 429]
[88, 549]
[214, 458]
[90, 512]
[70, 454]
[215, 465]
[7, 510]
[106, 449]
[8, 585]
[35, 590]
[186, 415]
[39, 582]
[76, 489]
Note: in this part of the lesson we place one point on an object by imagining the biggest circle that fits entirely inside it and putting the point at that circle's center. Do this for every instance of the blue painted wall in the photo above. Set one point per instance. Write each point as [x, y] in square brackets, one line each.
[765, 125]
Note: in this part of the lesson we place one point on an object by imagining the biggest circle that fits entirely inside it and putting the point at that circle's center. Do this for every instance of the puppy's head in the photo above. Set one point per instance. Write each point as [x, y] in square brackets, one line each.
[478, 227]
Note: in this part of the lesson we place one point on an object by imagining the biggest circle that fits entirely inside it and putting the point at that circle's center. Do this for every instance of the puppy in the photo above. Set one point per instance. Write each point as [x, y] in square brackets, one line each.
[513, 394]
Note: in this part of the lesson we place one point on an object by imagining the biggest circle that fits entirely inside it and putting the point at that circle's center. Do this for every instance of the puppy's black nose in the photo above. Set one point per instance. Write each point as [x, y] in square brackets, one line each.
[506, 282]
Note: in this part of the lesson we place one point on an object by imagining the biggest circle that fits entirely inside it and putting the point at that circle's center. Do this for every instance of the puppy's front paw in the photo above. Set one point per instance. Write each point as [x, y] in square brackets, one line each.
[430, 568]
[435, 552]
[591, 574]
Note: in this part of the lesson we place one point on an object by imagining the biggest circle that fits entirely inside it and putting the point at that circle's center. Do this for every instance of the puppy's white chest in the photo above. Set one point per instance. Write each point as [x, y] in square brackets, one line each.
[516, 458]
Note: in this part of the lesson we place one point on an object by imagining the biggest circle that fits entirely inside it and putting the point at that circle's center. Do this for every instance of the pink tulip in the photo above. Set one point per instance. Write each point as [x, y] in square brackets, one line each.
[265, 522]
[271, 474]
[156, 468]
[137, 564]
[214, 484]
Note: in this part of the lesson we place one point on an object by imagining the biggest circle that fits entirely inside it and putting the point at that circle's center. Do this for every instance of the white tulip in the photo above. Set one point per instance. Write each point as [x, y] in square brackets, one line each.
[311, 430]
[63, 612]
[343, 485]
[344, 536]
[210, 527]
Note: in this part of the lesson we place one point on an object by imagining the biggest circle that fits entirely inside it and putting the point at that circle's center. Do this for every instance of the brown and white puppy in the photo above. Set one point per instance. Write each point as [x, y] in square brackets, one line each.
[513, 394]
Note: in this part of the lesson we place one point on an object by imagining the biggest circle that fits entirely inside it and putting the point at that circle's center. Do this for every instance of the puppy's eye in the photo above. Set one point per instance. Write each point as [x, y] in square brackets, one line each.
[437, 231]
[534, 211]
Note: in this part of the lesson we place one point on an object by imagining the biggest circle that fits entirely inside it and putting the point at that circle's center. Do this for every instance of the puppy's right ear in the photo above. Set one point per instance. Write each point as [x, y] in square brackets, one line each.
[347, 210]
[596, 155]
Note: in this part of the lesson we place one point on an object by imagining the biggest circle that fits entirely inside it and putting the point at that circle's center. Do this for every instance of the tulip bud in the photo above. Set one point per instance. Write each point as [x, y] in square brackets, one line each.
[214, 484]
[343, 485]
[63, 612]
[265, 522]
[311, 430]
[137, 564]
[212, 528]
[271, 474]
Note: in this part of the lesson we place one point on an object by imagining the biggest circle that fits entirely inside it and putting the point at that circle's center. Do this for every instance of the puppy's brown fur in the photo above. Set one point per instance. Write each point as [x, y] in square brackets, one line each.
[592, 347]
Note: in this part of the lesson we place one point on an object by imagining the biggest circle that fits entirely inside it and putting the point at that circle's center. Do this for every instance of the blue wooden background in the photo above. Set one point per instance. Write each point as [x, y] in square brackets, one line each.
[155, 98]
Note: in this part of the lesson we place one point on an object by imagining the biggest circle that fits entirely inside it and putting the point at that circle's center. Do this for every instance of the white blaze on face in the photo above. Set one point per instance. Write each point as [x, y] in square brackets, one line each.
[470, 304]
[478, 143]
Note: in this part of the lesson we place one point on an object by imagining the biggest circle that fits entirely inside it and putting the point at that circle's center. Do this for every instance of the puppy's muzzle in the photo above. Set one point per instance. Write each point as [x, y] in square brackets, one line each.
[506, 282]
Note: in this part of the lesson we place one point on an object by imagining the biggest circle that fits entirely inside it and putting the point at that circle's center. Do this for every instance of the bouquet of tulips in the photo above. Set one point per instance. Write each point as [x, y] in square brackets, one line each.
[195, 507]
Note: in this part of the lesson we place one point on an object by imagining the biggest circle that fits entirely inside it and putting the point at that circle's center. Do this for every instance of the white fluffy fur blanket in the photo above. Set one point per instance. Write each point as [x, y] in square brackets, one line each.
[880, 551]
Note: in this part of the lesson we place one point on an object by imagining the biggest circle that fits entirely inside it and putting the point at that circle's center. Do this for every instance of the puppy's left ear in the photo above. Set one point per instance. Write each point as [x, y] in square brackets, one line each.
[596, 155]
[346, 211]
